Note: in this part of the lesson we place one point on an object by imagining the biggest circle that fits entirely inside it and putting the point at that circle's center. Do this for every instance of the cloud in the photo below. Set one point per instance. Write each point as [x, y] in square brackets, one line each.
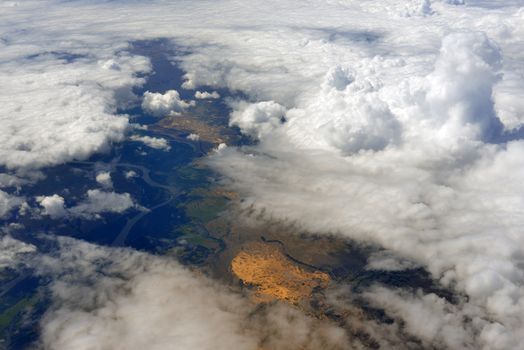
[11, 251]
[96, 202]
[347, 115]
[8, 203]
[102, 202]
[413, 168]
[68, 115]
[461, 86]
[130, 174]
[106, 308]
[124, 299]
[104, 179]
[53, 206]
[439, 323]
[193, 137]
[7, 180]
[258, 119]
[393, 118]
[386, 261]
[161, 105]
[431, 319]
[203, 95]
[153, 142]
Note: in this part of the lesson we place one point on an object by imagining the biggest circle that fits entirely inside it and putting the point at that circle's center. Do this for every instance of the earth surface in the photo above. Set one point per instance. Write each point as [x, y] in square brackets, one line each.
[189, 214]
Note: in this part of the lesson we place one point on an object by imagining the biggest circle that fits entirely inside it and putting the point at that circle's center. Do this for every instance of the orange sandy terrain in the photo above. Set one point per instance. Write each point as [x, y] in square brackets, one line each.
[274, 276]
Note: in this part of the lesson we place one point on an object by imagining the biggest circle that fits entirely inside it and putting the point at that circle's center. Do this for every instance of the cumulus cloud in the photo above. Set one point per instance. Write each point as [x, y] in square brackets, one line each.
[123, 299]
[412, 167]
[130, 174]
[461, 86]
[96, 202]
[53, 205]
[104, 179]
[258, 119]
[345, 116]
[193, 137]
[161, 105]
[153, 142]
[203, 95]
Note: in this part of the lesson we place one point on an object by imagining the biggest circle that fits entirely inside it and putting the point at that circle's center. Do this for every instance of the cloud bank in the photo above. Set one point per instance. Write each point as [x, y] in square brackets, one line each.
[414, 168]
[123, 299]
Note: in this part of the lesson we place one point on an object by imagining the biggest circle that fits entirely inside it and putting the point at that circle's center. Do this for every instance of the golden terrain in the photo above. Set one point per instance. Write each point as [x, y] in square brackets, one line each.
[189, 123]
[274, 276]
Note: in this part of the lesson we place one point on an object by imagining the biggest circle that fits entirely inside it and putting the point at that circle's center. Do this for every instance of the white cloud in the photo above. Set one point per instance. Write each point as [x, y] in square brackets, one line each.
[430, 318]
[7, 180]
[461, 87]
[138, 126]
[96, 202]
[202, 95]
[408, 166]
[344, 116]
[8, 203]
[123, 299]
[130, 174]
[153, 142]
[161, 105]
[68, 115]
[193, 137]
[53, 206]
[104, 179]
[258, 119]
[11, 251]
[102, 202]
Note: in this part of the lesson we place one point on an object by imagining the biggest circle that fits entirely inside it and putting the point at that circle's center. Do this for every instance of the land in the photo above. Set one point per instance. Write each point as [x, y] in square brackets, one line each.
[274, 276]
[178, 125]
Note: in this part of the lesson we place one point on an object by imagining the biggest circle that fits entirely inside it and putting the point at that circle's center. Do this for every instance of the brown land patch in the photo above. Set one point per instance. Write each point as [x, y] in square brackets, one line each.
[274, 276]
